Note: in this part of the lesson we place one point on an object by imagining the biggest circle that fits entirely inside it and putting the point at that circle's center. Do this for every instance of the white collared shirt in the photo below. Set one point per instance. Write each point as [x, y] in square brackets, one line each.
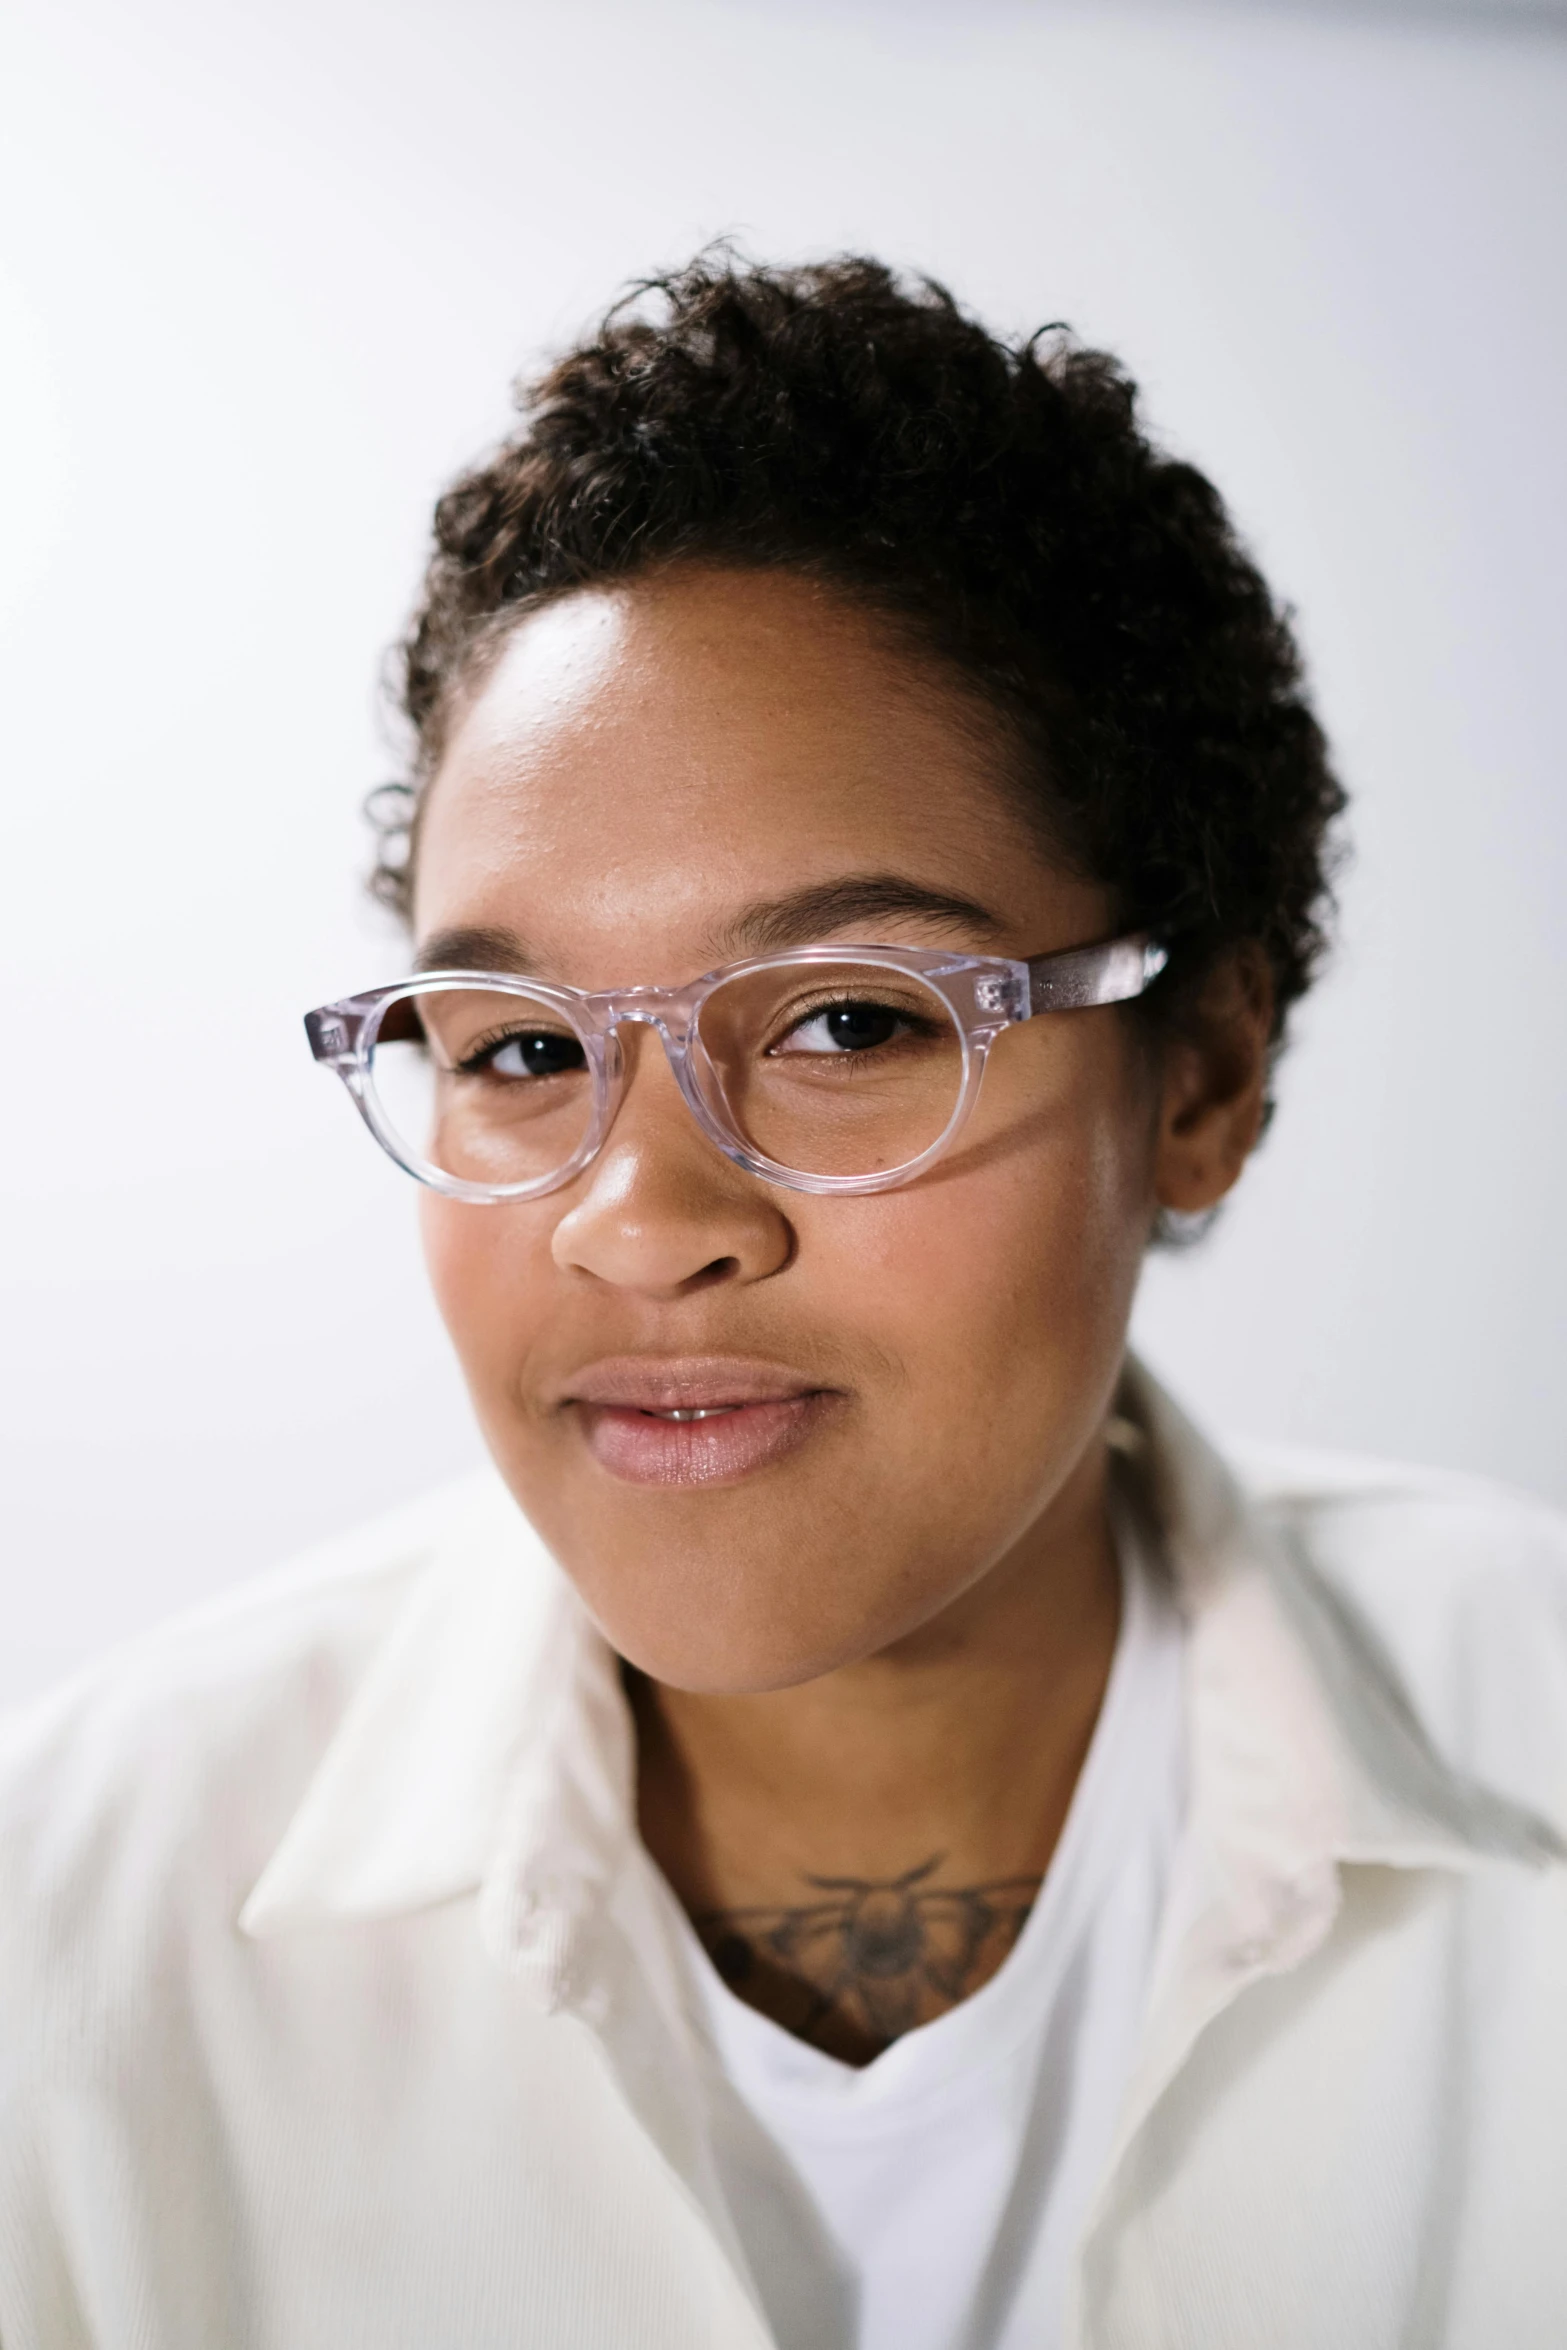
[340, 2004]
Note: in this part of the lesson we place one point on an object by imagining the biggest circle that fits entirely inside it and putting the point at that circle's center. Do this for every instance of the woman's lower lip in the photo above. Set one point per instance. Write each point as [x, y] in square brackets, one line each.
[645, 1448]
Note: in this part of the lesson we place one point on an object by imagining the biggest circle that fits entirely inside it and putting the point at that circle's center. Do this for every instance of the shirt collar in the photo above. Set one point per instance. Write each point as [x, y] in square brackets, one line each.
[491, 1710]
[1305, 1744]
[490, 1745]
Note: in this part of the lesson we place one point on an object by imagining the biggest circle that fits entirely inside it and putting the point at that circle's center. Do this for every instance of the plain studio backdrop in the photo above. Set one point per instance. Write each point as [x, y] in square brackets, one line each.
[265, 273]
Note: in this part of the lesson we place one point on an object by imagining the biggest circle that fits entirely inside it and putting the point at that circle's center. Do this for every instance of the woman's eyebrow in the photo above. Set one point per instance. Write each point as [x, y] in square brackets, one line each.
[828, 906]
[817, 911]
[471, 949]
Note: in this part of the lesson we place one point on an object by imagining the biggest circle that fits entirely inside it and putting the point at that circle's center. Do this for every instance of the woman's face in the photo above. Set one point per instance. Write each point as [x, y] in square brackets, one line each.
[647, 779]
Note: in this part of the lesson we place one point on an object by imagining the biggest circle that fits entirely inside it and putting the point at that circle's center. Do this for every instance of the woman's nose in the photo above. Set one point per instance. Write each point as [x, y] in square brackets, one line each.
[661, 1210]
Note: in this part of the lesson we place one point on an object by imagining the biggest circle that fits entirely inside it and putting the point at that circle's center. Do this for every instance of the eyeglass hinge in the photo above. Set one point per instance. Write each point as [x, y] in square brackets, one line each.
[998, 995]
[329, 1037]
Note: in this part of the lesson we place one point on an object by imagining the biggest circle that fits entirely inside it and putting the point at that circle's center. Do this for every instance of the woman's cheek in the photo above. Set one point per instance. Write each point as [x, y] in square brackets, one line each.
[453, 1254]
[485, 1266]
[1016, 1249]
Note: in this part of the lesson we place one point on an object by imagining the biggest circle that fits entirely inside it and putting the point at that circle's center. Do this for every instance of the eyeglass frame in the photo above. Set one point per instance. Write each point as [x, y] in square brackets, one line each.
[985, 994]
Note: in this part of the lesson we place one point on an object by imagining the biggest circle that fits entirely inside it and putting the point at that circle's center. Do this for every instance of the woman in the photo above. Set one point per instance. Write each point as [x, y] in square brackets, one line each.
[867, 1831]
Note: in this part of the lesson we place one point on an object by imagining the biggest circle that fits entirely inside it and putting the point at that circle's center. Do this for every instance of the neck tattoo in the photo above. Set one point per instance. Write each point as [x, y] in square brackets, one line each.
[867, 1959]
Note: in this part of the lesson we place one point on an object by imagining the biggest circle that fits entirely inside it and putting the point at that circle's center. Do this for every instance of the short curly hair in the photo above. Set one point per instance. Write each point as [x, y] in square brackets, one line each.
[999, 502]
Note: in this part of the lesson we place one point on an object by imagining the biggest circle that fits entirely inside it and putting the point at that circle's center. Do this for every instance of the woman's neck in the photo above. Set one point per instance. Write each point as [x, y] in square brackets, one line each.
[859, 1853]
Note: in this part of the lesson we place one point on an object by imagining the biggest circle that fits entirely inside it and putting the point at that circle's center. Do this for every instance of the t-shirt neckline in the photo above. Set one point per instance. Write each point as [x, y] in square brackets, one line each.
[955, 2053]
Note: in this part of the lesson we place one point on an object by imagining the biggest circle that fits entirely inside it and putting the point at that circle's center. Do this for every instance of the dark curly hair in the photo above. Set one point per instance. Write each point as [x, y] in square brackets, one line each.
[999, 503]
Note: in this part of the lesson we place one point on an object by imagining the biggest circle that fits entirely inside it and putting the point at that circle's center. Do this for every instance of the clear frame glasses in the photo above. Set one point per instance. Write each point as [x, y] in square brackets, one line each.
[823, 1069]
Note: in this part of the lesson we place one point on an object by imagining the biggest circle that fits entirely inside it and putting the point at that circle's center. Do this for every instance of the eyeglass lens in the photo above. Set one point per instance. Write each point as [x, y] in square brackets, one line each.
[825, 1069]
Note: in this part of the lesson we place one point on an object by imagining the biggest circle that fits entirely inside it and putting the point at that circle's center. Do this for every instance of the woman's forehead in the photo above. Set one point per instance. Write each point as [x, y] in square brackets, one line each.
[676, 750]
[724, 676]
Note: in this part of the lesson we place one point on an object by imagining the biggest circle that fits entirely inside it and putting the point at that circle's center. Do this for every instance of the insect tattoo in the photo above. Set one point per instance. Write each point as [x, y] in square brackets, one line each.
[871, 1958]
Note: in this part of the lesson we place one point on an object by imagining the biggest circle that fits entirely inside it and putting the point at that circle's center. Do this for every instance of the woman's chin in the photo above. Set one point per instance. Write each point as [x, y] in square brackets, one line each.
[746, 1644]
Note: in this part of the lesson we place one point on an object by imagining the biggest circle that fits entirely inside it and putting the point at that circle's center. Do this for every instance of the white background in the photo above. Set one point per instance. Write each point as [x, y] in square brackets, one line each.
[265, 271]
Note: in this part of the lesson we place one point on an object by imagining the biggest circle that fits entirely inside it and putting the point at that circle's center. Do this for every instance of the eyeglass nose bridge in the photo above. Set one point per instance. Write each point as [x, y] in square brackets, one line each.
[671, 1010]
[671, 1013]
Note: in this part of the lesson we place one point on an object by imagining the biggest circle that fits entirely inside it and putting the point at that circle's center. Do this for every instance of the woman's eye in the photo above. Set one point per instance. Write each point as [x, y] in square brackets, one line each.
[845, 1028]
[536, 1052]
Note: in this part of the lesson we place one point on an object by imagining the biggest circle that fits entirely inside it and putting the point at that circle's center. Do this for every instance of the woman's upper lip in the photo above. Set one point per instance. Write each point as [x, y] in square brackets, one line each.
[673, 1383]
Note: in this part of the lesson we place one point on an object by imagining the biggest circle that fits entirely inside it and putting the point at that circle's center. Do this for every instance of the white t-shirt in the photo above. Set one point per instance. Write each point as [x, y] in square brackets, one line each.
[930, 2200]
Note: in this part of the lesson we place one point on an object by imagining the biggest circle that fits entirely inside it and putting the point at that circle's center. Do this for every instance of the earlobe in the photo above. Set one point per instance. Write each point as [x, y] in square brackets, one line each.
[1214, 1092]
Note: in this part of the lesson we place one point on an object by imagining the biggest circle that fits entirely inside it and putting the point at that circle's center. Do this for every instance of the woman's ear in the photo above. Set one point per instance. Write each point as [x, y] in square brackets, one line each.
[1214, 1084]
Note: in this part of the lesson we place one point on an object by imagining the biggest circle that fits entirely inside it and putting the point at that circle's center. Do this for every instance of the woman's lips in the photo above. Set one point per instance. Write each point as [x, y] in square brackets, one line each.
[693, 1423]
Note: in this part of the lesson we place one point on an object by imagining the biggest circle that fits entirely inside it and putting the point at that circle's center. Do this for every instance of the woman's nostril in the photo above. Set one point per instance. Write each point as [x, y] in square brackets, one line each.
[721, 1269]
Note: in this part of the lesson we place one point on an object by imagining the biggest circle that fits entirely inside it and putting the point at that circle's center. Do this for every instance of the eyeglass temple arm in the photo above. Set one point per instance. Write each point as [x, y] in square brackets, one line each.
[1083, 976]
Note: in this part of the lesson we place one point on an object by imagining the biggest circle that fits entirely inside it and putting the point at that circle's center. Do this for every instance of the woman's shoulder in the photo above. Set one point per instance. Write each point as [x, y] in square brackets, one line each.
[1461, 1583]
[1378, 1522]
[142, 1797]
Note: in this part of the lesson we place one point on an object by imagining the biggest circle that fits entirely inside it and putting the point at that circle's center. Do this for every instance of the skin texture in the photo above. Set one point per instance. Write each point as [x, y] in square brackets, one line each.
[889, 1642]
